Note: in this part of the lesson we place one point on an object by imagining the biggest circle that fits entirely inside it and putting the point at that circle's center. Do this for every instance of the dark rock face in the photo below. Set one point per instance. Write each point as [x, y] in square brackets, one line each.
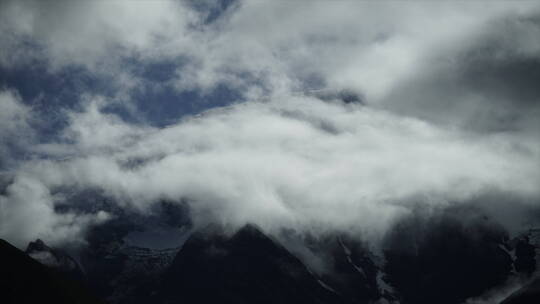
[119, 272]
[529, 294]
[445, 260]
[525, 256]
[24, 280]
[351, 269]
[354, 274]
[116, 269]
[248, 267]
[55, 259]
[431, 260]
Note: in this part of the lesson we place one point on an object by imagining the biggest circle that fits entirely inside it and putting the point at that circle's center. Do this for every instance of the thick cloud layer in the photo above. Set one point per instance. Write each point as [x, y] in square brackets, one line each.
[349, 115]
[300, 163]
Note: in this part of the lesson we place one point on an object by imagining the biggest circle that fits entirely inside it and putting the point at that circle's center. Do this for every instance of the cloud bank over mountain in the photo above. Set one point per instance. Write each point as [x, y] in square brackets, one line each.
[331, 115]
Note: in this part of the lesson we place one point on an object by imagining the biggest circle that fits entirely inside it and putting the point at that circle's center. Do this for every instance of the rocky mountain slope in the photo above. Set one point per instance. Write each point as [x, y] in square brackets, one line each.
[24, 280]
[449, 264]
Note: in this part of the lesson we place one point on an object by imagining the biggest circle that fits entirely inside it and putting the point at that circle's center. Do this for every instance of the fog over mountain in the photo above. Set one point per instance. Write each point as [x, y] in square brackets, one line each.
[303, 118]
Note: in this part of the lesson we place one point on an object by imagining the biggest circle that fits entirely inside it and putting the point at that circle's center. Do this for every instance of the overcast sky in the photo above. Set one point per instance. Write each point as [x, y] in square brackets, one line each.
[341, 115]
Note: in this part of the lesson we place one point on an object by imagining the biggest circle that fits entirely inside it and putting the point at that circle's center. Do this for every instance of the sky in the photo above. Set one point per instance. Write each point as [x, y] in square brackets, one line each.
[305, 115]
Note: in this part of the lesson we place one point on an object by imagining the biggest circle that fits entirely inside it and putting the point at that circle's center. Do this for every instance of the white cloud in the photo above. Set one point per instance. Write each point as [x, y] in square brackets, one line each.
[281, 45]
[94, 34]
[291, 161]
[27, 208]
[27, 212]
[297, 162]
[358, 45]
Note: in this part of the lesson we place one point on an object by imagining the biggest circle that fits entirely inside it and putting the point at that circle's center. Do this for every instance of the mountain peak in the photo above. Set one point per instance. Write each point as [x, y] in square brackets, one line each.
[25, 280]
[37, 245]
[54, 258]
[247, 267]
[250, 231]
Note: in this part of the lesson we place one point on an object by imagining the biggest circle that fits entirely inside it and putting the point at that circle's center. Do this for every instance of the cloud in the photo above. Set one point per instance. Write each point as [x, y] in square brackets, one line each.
[488, 85]
[345, 45]
[95, 33]
[362, 46]
[27, 212]
[434, 118]
[475, 61]
[15, 126]
[14, 116]
[274, 165]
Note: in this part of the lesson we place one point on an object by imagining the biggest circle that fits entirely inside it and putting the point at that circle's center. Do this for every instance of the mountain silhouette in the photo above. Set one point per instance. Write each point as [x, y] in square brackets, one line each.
[24, 280]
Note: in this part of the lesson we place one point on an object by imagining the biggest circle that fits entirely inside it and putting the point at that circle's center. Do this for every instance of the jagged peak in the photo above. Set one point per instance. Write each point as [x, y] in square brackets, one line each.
[37, 245]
